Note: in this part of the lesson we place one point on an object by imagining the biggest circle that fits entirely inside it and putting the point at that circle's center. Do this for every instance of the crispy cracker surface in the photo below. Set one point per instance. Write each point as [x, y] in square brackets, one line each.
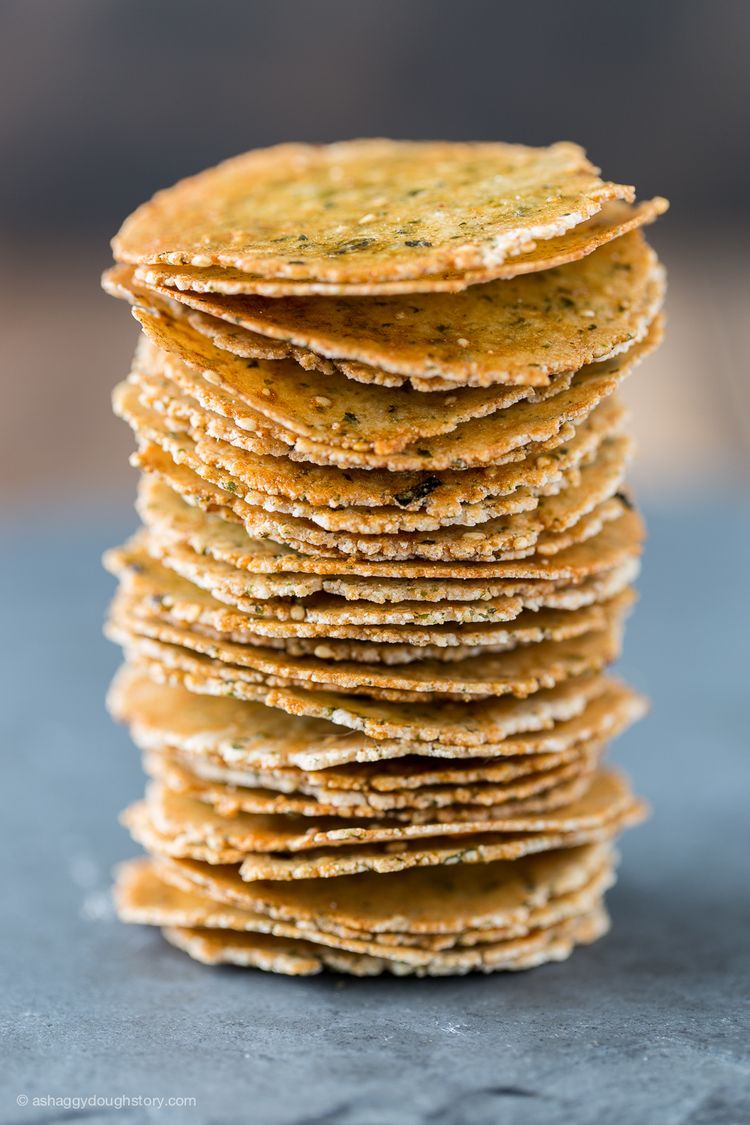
[356, 220]
[314, 331]
[386, 556]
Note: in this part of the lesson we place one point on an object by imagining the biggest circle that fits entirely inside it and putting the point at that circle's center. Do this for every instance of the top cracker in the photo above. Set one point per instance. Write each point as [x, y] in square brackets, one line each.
[370, 212]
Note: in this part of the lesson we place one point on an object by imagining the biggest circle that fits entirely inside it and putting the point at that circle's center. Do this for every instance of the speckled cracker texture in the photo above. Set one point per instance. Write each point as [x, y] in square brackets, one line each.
[386, 556]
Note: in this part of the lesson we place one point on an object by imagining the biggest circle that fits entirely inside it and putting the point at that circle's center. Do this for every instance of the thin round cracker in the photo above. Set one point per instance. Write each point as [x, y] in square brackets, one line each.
[426, 902]
[155, 590]
[189, 822]
[269, 569]
[143, 897]
[613, 220]
[518, 333]
[559, 521]
[228, 586]
[219, 788]
[519, 671]
[162, 711]
[493, 440]
[315, 331]
[368, 210]
[295, 958]
[328, 492]
[607, 807]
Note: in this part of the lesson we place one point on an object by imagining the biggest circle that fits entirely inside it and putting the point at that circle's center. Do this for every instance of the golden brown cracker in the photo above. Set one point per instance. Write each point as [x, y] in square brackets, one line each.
[439, 727]
[519, 334]
[424, 901]
[613, 220]
[143, 897]
[158, 591]
[603, 811]
[266, 569]
[228, 586]
[259, 951]
[520, 671]
[188, 821]
[368, 210]
[493, 440]
[249, 735]
[228, 792]
[581, 510]
[316, 331]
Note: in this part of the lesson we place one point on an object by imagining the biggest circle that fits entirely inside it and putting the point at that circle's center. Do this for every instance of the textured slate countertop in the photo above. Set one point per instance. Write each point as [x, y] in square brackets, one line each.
[649, 1025]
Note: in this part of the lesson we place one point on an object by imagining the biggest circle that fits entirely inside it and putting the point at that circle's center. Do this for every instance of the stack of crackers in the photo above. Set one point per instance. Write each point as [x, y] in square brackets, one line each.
[386, 553]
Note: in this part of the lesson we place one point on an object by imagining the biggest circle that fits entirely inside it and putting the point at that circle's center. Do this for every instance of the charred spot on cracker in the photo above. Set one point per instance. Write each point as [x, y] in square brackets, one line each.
[418, 491]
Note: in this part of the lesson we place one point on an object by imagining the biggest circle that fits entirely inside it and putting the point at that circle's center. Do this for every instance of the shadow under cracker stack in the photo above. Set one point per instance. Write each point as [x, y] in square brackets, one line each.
[386, 556]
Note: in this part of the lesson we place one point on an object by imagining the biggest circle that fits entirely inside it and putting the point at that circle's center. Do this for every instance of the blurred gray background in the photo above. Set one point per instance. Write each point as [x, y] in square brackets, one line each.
[104, 101]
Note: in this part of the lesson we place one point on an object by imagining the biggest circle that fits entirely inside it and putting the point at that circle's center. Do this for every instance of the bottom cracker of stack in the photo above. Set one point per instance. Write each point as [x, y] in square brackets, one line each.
[427, 921]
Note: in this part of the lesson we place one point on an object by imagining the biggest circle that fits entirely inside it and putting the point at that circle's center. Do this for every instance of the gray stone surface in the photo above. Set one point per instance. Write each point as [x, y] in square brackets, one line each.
[648, 1026]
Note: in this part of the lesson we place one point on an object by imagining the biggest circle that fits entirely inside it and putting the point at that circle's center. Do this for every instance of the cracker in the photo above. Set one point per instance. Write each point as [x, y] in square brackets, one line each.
[382, 719]
[517, 333]
[581, 509]
[601, 813]
[256, 951]
[613, 220]
[163, 712]
[241, 472]
[476, 776]
[446, 493]
[162, 593]
[316, 331]
[323, 408]
[223, 790]
[318, 404]
[481, 441]
[330, 496]
[411, 781]
[539, 910]
[189, 822]
[229, 586]
[521, 334]
[249, 476]
[146, 893]
[427, 901]
[368, 210]
[235, 790]
[397, 646]
[259, 951]
[246, 736]
[520, 671]
[581, 240]
[263, 562]
[143, 897]
[236, 471]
